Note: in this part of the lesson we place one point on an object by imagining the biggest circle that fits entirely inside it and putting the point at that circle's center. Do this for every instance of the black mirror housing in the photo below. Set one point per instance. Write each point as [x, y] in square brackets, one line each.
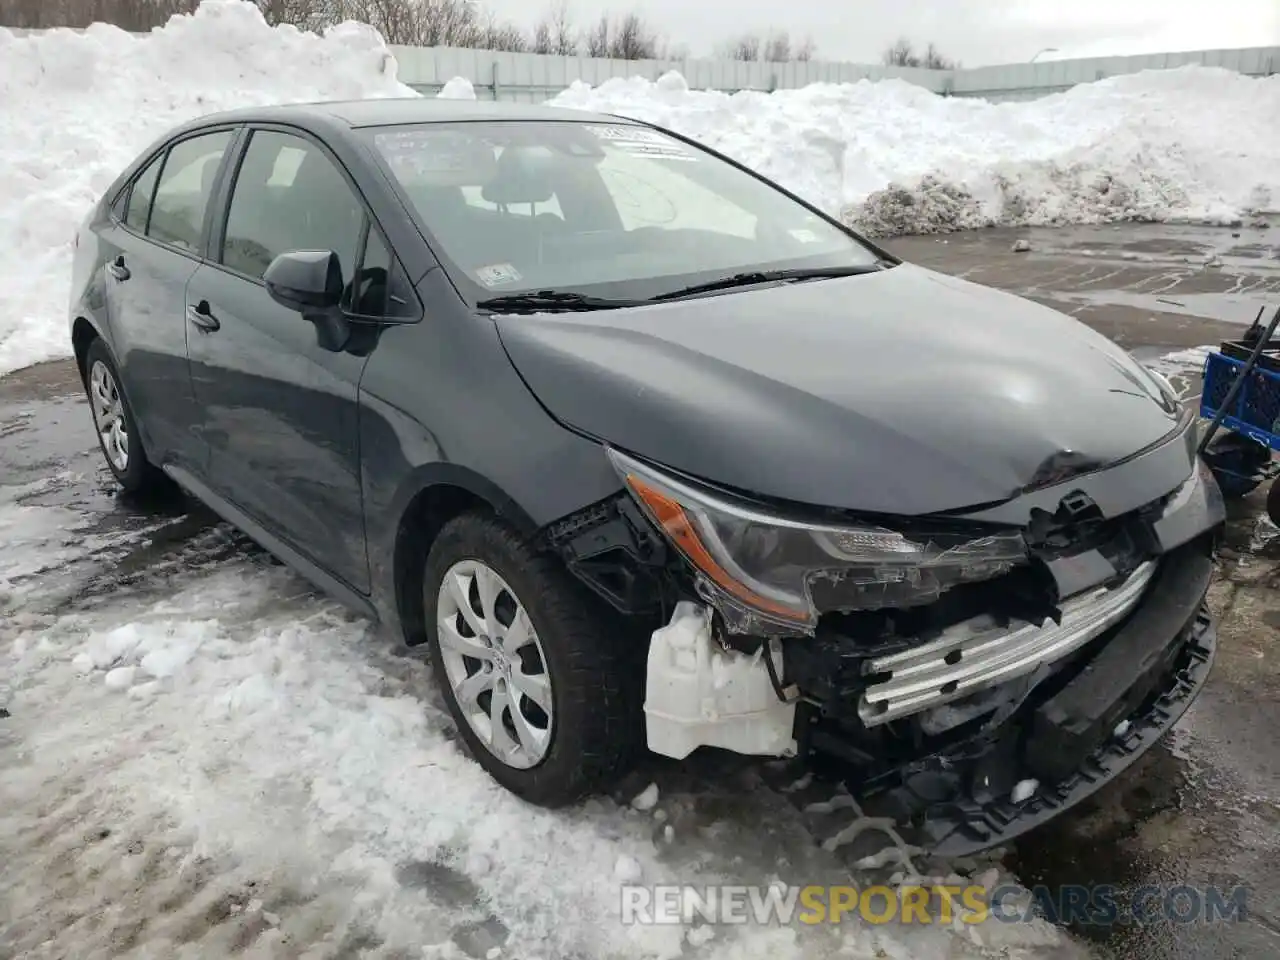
[305, 280]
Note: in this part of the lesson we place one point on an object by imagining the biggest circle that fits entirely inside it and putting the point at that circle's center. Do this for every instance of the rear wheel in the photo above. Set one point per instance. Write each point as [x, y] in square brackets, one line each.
[115, 425]
[529, 666]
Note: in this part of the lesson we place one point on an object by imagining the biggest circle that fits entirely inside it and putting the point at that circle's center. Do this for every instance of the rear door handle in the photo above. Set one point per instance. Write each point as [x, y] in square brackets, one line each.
[118, 269]
[203, 317]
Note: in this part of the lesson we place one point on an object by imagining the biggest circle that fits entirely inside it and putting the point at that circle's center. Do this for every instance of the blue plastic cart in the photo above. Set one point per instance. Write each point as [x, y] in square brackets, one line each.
[1242, 394]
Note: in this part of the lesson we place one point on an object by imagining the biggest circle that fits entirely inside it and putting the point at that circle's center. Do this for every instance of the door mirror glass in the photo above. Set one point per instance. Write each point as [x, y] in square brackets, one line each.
[305, 280]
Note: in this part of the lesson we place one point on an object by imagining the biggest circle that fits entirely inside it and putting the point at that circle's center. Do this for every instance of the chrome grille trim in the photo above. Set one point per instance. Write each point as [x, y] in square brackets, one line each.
[992, 655]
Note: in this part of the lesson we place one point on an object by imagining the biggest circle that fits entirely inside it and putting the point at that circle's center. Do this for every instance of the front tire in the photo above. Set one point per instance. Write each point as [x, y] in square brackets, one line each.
[115, 425]
[530, 667]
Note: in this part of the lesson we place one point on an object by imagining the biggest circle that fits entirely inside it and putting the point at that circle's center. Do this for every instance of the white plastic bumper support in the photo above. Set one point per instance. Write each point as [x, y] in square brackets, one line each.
[699, 694]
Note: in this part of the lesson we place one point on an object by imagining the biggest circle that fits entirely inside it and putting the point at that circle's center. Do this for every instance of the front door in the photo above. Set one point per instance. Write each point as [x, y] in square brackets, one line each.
[281, 413]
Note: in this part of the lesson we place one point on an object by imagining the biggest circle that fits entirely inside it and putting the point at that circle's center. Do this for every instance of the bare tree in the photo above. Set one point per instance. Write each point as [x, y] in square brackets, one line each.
[542, 42]
[596, 39]
[673, 51]
[500, 35]
[411, 22]
[633, 40]
[628, 38]
[554, 32]
[422, 23]
[134, 15]
[746, 47]
[563, 39]
[399, 21]
[903, 54]
[306, 14]
[934, 60]
[777, 48]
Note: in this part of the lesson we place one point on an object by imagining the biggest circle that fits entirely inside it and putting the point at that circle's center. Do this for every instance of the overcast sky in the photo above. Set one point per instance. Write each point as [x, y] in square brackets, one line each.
[975, 32]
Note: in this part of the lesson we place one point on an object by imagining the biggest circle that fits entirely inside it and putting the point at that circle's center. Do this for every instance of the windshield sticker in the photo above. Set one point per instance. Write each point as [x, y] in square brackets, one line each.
[496, 274]
[425, 154]
[644, 143]
[803, 236]
[638, 134]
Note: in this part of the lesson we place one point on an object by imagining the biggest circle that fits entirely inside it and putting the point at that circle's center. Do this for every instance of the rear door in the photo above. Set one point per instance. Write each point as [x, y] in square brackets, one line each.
[155, 241]
[280, 412]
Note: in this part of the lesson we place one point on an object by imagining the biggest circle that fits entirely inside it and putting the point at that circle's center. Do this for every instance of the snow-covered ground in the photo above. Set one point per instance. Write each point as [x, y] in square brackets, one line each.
[75, 108]
[204, 757]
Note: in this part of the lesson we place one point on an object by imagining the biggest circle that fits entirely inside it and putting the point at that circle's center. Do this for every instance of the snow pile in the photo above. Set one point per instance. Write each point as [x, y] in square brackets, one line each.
[1192, 358]
[76, 108]
[203, 758]
[459, 88]
[249, 733]
[891, 157]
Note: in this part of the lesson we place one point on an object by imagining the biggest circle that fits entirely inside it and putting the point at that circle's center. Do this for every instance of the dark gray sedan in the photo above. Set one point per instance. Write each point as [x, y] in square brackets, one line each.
[650, 452]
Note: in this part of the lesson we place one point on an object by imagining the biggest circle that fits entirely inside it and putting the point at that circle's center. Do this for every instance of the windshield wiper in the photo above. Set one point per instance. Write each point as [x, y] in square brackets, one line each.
[550, 301]
[771, 276]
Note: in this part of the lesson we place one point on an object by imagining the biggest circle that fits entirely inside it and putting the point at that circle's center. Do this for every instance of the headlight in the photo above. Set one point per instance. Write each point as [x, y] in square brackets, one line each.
[764, 571]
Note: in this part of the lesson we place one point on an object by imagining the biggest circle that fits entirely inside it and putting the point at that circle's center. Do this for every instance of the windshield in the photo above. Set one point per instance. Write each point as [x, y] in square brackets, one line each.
[610, 210]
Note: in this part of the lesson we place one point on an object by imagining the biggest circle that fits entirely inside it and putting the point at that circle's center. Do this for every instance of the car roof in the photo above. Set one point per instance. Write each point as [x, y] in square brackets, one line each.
[388, 111]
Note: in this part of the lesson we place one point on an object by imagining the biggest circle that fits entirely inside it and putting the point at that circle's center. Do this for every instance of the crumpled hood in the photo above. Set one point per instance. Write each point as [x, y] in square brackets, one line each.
[900, 392]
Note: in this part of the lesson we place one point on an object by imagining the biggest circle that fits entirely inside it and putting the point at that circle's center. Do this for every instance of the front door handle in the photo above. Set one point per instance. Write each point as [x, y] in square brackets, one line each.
[203, 317]
[118, 269]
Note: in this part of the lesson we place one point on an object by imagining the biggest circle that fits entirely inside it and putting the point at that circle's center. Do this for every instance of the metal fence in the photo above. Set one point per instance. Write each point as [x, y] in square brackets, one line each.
[534, 77]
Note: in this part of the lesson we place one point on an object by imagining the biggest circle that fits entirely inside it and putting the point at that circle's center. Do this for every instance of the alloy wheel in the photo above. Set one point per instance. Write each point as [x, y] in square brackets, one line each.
[495, 665]
[108, 415]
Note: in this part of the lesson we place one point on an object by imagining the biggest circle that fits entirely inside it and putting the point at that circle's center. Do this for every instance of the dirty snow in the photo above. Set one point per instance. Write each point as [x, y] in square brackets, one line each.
[1192, 358]
[1023, 790]
[204, 758]
[1193, 143]
[647, 798]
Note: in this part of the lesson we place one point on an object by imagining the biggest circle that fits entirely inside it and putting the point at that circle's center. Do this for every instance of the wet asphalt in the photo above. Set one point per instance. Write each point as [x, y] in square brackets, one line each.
[1201, 809]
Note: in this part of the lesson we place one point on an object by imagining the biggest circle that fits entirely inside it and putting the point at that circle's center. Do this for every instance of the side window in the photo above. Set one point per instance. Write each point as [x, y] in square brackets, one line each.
[380, 289]
[186, 182]
[139, 203]
[289, 196]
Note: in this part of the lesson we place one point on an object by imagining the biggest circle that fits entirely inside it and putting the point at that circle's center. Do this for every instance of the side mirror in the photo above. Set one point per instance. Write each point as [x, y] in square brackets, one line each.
[305, 280]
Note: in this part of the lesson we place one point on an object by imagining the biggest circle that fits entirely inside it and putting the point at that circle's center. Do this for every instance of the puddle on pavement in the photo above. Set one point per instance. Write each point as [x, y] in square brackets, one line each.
[1185, 815]
[1088, 846]
[1226, 307]
[1156, 830]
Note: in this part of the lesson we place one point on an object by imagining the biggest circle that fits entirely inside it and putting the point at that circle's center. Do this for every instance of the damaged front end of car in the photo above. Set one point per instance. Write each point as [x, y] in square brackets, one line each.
[968, 675]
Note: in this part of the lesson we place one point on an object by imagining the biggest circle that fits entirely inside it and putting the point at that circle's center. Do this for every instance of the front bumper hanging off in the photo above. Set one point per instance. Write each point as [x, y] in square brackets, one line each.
[1126, 662]
[969, 826]
[1096, 719]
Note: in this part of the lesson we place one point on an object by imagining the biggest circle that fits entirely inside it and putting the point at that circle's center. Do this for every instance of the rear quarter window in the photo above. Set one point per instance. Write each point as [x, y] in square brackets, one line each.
[138, 205]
